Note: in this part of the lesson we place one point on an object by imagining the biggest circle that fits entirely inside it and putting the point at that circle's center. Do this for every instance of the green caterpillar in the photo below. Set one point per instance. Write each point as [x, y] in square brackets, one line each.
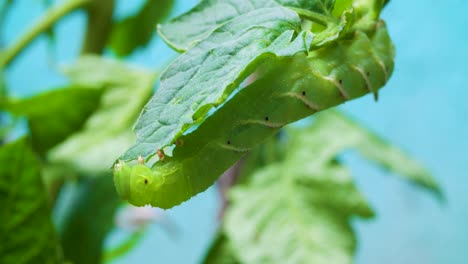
[291, 89]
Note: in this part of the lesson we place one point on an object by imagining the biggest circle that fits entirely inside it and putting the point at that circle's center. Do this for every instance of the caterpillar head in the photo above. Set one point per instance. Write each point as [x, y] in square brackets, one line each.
[135, 184]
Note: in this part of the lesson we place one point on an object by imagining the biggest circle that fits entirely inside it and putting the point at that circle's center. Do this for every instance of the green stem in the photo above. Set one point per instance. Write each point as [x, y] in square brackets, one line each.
[51, 17]
[315, 17]
[124, 247]
[99, 27]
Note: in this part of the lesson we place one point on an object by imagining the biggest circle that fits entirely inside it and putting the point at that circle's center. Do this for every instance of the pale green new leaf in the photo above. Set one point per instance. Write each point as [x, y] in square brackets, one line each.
[208, 73]
[26, 231]
[108, 131]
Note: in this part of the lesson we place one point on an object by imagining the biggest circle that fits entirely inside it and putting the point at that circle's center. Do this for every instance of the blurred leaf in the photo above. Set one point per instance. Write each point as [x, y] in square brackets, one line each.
[54, 115]
[344, 133]
[89, 219]
[395, 160]
[26, 231]
[310, 192]
[108, 131]
[295, 212]
[220, 252]
[136, 31]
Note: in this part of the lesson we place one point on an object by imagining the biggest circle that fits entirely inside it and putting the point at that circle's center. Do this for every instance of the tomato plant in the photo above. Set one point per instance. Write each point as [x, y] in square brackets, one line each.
[227, 104]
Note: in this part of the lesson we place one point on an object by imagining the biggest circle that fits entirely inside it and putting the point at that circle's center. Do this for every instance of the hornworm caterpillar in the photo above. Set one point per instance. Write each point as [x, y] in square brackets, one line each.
[292, 89]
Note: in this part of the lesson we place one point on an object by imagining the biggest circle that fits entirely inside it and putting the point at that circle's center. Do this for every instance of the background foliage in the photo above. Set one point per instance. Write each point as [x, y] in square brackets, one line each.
[425, 151]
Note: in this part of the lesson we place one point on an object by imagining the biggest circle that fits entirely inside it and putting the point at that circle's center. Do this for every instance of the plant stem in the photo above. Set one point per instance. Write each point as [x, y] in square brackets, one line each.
[99, 27]
[315, 17]
[123, 248]
[51, 17]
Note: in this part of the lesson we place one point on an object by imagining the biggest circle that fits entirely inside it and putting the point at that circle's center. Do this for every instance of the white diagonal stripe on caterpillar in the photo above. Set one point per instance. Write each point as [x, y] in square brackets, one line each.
[230, 147]
[262, 122]
[308, 103]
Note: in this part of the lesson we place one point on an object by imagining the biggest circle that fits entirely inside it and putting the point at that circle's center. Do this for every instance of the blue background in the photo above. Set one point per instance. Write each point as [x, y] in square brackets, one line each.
[423, 109]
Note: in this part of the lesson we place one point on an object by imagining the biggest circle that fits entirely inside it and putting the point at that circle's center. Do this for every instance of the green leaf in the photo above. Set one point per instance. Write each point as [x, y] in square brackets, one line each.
[88, 220]
[320, 6]
[315, 200]
[220, 252]
[108, 131]
[341, 6]
[208, 73]
[54, 115]
[184, 31]
[137, 30]
[369, 10]
[26, 231]
[311, 192]
[382, 153]
[190, 28]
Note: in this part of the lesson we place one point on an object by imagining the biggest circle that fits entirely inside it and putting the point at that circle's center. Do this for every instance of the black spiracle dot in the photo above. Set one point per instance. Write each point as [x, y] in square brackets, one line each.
[229, 142]
[146, 181]
[340, 81]
[267, 118]
[303, 93]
